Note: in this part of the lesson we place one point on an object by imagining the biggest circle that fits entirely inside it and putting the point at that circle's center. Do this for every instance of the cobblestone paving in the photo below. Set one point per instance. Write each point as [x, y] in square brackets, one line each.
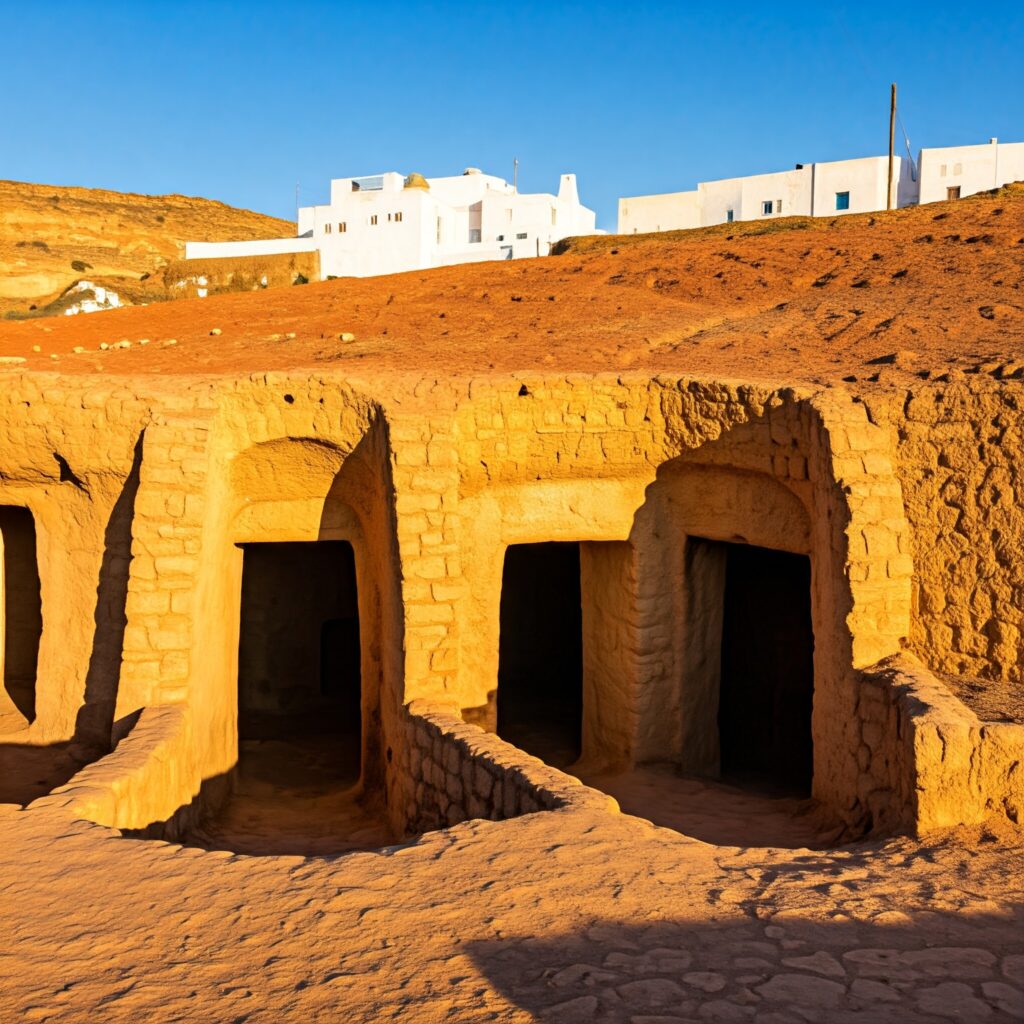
[554, 916]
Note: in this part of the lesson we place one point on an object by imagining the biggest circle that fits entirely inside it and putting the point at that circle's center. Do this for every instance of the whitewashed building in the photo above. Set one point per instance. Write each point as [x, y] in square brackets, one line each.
[828, 189]
[390, 223]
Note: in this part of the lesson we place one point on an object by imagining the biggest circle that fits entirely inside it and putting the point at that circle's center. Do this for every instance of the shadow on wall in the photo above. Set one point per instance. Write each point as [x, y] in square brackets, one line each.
[96, 717]
[29, 771]
[737, 968]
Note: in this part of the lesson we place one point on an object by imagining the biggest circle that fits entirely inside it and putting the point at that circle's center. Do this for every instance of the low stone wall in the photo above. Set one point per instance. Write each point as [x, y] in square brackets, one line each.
[148, 782]
[450, 771]
[926, 760]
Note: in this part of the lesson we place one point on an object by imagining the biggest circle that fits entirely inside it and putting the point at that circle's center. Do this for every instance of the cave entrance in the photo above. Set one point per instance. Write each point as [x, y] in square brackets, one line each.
[21, 617]
[540, 660]
[299, 688]
[767, 674]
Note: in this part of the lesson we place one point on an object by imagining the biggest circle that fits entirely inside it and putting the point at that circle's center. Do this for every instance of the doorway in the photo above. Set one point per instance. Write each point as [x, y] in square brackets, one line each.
[21, 617]
[767, 671]
[540, 653]
[298, 656]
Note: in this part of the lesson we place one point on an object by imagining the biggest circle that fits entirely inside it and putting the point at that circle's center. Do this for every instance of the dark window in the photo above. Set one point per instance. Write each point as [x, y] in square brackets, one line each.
[842, 200]
[730, 216]
[521, 235]
[766, 207]
[953, 193]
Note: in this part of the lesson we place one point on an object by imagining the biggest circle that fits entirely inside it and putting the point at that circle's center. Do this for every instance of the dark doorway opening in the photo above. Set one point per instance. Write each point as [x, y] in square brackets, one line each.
[767, 673]
[540, 662]
[21, 617]
[298, 657]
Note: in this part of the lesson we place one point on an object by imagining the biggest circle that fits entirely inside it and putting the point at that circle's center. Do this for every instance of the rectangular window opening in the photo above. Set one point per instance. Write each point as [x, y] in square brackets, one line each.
[842, 200]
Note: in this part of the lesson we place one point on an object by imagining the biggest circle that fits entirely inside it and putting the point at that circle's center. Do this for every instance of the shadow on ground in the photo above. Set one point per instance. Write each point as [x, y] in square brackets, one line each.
[788, 970]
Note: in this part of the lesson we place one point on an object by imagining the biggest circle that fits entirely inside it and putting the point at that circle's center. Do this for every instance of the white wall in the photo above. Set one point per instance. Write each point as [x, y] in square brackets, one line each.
[253, 247]
[973, 168]
[668, 212]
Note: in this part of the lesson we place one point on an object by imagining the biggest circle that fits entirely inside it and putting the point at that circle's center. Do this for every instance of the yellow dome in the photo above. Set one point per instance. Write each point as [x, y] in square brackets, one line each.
[417, 181]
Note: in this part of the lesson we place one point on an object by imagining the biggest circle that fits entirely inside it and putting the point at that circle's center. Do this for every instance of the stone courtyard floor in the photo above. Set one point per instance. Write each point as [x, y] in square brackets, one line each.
[559, 916]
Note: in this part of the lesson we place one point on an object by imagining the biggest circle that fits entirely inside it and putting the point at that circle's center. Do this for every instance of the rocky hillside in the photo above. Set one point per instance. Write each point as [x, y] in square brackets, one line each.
[52, 237]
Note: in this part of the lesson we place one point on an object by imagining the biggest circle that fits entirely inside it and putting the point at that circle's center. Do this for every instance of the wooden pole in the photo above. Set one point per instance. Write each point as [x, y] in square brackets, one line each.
[892, 143]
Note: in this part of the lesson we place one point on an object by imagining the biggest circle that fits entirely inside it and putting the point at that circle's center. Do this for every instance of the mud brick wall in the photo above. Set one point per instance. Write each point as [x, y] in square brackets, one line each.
[451, 771]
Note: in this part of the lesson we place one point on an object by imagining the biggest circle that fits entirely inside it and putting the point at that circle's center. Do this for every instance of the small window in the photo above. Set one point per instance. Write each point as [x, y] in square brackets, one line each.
[730, 216]
[373, 218]
[438, 230]
[953, 193]
[554, 216]
[766, 207]
[389, 216]
[501, 238]
[474, 234]
[842, 200]
[942, 170]
[342, 227]
[521, 235]
[398, 216]
[327, 229]
[958, 168]
[778, 206]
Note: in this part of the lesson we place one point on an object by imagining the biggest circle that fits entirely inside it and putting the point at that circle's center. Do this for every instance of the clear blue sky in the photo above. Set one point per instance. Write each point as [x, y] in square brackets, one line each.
[239, 101]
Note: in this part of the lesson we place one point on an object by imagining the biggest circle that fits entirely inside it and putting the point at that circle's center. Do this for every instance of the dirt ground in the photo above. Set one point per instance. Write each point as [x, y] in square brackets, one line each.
[918, 293]
[553, 916]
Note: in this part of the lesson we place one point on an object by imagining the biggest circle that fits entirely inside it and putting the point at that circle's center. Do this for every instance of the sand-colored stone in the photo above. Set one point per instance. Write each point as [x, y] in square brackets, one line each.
[145, 470]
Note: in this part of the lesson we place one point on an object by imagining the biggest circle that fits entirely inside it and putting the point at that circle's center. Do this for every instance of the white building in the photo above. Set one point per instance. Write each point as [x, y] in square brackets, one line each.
[828, 189]
[389, 223]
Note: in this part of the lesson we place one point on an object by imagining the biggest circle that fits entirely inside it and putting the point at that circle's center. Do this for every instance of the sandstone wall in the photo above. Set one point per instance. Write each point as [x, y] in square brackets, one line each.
[143, 500]
[960, 458]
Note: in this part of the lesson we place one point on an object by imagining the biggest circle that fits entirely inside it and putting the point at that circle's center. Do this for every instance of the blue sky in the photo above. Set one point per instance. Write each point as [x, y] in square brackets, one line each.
[239, 102]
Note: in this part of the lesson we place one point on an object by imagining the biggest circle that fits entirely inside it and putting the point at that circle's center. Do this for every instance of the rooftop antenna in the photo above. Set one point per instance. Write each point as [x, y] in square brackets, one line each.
[515, 174]
[892, 142]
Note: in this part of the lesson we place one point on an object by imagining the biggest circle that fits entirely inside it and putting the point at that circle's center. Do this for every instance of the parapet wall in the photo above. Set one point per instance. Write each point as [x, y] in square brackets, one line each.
[926, 760]
[449, 771]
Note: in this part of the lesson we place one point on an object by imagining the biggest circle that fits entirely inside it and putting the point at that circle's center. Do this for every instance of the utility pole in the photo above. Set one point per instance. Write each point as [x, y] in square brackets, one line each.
[892, 143]
[515, 175]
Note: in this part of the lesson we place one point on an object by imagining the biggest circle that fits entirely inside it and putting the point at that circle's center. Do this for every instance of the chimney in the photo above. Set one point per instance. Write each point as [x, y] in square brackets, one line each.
[567, 190]
[993, 142]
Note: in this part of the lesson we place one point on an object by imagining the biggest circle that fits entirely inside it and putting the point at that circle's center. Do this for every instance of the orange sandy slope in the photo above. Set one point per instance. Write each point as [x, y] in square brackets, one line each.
[934, 287]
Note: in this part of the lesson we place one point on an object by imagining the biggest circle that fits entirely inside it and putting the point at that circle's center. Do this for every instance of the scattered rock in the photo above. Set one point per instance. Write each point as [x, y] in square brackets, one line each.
[955, 1000]
[803, 990]
[346, 336]
[653, 991]
[12, 360]
[215, 331]
[1005, 997]
[820, 962]
[706, 981]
